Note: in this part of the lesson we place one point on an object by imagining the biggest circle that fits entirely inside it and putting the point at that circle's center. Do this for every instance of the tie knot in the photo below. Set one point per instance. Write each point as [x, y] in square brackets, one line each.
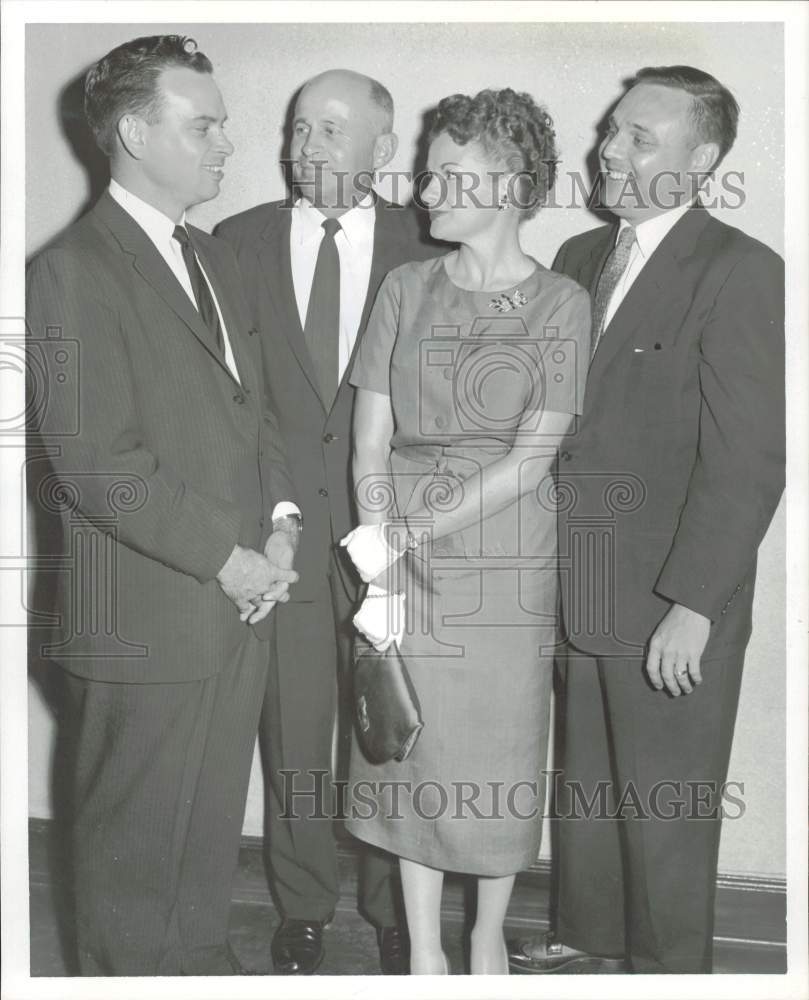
[181, 235]
[626, 237]
[331, 227]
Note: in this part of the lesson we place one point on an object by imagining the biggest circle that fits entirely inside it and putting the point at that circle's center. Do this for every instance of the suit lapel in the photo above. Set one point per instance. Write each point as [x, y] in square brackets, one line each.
[592, 267]
[234, 324]
[154, 270]
[275, 262]
[654, 289]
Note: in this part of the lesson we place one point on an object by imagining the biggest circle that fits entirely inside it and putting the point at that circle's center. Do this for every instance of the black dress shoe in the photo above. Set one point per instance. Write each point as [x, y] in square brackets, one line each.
[544, 955]
[297, 947]
[394, 950]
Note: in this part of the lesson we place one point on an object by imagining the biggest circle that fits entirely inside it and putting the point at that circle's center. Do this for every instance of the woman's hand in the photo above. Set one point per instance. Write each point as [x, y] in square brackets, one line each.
[381, 618]
[369, 550]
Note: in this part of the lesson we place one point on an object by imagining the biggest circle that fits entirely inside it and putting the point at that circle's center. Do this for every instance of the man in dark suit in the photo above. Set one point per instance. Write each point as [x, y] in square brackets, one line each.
[167, 481]
[312, 267]
[668, 484]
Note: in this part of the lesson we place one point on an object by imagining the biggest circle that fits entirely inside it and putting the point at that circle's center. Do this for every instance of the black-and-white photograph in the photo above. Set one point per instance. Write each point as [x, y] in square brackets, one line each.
[404, 466]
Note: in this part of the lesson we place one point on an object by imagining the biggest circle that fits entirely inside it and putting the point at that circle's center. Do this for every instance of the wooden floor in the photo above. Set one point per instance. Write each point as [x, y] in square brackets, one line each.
[350, 941]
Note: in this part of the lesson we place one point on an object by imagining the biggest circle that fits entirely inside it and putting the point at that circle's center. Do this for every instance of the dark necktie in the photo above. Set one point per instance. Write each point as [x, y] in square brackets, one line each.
[205, 303]
[321, 330]
[614, 267]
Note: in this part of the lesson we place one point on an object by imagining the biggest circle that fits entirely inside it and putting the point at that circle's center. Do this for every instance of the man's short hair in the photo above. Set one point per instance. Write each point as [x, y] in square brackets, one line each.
[381, 98]
[124, 81]
[714, 110]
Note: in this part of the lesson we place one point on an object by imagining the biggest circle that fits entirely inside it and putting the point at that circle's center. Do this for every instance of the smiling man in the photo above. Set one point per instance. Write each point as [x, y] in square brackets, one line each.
[173, 473]
[312, 268]
[679, 460]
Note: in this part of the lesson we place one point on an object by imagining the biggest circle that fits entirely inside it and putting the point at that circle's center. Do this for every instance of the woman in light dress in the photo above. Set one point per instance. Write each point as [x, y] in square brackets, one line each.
[468, 376]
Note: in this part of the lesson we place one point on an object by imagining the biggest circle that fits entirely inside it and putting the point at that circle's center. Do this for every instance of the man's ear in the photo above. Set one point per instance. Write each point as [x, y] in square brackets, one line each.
[704, 157]
[131, 131]
[385, 147]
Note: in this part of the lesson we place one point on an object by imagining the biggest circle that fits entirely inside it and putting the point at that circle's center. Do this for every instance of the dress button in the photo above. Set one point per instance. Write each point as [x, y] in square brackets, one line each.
[566, 456]
[328, 438]
[439, 421]
[323, 491]
[238, 398]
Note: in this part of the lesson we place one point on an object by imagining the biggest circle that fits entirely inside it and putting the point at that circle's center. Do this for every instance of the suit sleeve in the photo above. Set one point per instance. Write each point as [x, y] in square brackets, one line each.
[172, 522]
[276, 475]
[275, 471]
[738, 474]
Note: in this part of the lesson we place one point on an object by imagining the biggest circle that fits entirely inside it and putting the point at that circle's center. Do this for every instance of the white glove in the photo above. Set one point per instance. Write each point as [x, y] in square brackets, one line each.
[369, 550]
[381, 618]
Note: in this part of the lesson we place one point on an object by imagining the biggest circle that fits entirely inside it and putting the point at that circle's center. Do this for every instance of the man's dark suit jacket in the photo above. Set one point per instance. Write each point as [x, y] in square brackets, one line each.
[165, 439]
[685, 407]
[318, 441]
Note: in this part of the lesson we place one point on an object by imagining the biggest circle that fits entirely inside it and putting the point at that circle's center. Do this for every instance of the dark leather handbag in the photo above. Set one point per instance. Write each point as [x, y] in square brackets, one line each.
[386, 706]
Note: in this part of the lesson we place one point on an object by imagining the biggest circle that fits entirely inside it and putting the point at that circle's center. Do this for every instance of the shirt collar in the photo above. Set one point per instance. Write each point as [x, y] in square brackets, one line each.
[357, 223]
[651, 233]
[157, 226]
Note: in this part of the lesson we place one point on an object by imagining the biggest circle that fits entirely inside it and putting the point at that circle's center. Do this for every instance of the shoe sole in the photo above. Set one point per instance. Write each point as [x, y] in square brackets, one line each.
[570, 966]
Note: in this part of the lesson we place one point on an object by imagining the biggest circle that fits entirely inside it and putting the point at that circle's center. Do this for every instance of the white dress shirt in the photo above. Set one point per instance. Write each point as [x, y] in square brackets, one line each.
[159, 228]
[648, 237]
[355, 247]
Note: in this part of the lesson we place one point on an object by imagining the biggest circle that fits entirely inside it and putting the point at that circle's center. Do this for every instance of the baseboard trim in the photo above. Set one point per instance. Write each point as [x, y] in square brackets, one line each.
[750, 909]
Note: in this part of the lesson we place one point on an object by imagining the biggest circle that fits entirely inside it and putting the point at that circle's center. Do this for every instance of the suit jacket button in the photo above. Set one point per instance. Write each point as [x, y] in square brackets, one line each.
[251, 332]
[658, 347]
[323, 492]
[238, 398]
[328, 438]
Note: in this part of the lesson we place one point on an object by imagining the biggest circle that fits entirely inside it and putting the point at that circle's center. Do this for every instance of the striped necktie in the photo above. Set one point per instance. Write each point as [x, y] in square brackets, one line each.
[614, 267]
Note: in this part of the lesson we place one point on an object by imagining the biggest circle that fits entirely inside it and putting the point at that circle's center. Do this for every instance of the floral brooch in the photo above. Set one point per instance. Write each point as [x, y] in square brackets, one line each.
[505, 303]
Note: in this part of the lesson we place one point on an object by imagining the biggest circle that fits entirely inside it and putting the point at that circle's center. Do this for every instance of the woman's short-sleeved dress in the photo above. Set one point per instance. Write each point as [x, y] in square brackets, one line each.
[469, 375]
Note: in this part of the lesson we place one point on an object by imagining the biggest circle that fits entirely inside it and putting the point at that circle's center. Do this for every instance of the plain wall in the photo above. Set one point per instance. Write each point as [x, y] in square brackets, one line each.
[576, 70]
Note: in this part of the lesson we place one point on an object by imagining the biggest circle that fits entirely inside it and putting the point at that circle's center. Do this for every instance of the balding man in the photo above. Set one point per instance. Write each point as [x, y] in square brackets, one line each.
[312, 266]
